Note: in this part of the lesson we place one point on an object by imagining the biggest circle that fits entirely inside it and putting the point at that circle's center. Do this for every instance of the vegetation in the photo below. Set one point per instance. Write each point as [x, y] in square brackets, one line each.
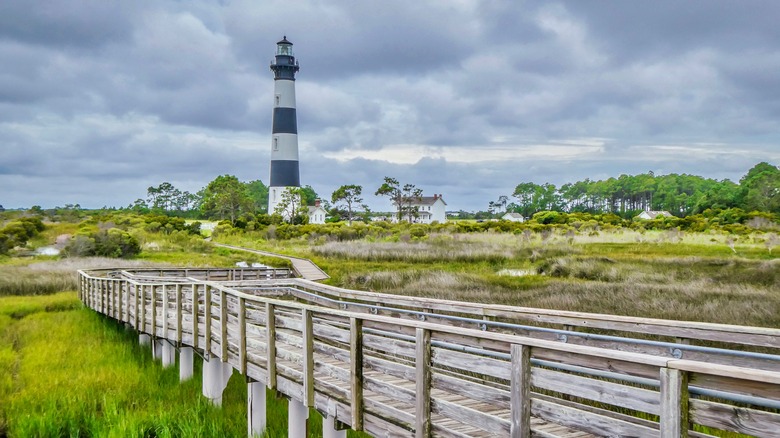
[403, 197]
[627, 195]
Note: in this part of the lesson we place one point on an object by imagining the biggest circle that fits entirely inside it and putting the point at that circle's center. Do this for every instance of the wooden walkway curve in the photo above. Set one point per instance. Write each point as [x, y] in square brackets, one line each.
[305, 268]
[405, 366]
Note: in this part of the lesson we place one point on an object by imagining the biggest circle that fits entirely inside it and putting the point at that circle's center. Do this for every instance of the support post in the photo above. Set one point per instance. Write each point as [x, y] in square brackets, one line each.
[168, 354]
[144, 339]
[186, 367]
[330, 428]
[143, 307]
[157, 349]
[520, 392]
[297, 421]
[256, 408]
[165, 311]
[674, 403]
[422, 427]
[212, 379]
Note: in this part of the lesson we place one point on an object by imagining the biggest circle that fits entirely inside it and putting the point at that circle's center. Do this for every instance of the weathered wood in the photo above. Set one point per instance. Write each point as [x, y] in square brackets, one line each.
[468, 393]
[674, 403]
[165, 311]
[422, 426]
[734, 419]
[223, 322]
[196, 316]
[143, 308]
[270, 330]
[179, 310]
[242, 334]
[520, 400]
[308, 358]
[153, 308]
[356, 372]
[207, 318]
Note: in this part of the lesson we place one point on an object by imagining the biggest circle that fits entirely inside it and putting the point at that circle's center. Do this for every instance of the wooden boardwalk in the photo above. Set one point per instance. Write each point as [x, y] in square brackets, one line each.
[401, 366]
[305, 268]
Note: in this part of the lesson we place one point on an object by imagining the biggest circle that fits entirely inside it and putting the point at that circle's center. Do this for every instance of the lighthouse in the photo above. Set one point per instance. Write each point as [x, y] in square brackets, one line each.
[284, 137]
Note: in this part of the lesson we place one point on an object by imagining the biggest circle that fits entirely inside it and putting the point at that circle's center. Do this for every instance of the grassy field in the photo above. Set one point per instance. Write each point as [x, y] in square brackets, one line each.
[66, 371]
[670, 275]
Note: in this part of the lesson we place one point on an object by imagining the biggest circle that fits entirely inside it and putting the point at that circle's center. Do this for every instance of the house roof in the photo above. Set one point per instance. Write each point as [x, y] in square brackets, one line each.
[314, 208]
[654, 214]
[514, 215]
[425, 200]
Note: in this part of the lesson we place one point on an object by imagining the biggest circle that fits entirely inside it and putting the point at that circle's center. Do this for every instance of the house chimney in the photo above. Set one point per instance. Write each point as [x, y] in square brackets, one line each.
[435, 196]
[316, 202]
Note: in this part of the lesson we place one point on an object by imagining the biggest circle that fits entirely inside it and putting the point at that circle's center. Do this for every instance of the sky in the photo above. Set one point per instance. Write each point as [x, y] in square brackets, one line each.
[101, 100]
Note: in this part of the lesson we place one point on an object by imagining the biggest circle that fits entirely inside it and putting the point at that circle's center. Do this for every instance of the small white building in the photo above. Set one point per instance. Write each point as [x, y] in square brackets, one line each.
[317, 214]
[649, 214]
[513, 217]
[429, 209]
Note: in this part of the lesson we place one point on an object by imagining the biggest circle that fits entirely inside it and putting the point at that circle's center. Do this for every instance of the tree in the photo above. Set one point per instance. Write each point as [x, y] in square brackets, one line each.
[258, 193]
[496, 207]
[225, 198]
[761, 188]
[404, 197]
[291, 206]
[350, 196]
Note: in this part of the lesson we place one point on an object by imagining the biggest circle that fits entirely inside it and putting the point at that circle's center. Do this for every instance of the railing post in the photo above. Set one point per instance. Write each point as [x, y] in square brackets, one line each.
[422, 427]
[520, 392]
[143, 307]
[223, 322]
[165, 311]
[195, 311]
[674, 403]
[242, 336]
[356, 371]
[207, 321]
[153, 307]
[135, 306]
[270, 342]
[178, 314]
[308, 358]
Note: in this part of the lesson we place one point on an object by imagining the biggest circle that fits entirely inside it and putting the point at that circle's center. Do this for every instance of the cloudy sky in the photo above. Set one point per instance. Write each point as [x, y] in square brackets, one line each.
[100, 100]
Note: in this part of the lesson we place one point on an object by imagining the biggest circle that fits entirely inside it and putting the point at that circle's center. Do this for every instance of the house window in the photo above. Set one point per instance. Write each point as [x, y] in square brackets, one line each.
[276, 143]
[278, 99]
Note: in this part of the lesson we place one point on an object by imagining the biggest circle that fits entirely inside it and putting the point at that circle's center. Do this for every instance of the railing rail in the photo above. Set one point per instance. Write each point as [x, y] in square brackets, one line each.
[404, 376]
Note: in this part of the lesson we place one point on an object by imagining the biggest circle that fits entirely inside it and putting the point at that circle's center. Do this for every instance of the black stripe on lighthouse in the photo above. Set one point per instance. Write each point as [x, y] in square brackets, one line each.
[285, 121]
[285, 173]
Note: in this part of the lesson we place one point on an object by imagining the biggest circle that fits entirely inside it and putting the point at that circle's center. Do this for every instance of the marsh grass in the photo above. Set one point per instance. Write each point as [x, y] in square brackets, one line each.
[51, 276]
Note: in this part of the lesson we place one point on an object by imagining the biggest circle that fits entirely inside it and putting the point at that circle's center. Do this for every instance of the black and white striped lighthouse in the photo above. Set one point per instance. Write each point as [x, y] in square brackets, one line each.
[284, 142]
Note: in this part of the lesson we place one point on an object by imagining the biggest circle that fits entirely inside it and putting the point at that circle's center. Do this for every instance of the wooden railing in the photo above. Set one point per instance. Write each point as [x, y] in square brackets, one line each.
[400, 376]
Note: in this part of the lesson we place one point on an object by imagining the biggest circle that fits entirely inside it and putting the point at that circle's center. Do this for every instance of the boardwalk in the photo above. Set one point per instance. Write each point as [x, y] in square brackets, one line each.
[305, 268]
[400, 366]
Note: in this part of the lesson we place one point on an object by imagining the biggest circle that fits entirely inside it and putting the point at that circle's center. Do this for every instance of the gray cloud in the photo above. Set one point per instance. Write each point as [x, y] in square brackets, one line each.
[466, 98]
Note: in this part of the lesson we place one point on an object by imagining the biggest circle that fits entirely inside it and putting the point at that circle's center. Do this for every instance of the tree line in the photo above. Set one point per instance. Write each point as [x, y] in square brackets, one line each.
[228, 198]
[627, 195]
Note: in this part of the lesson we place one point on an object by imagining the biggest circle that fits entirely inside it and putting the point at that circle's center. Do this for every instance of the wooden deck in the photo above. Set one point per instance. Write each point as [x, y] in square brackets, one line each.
[398, 366]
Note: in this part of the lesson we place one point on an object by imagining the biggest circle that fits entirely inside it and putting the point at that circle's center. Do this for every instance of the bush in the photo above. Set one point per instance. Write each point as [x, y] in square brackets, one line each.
[113, 243]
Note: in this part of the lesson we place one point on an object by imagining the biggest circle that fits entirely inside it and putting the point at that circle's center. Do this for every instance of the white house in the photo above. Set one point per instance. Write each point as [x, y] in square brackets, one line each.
[317, 213]
[513, 217]
[429, 209]
[653, 214]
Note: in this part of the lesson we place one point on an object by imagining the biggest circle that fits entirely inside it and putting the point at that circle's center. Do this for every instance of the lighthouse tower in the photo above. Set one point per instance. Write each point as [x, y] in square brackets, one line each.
[284, 138]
